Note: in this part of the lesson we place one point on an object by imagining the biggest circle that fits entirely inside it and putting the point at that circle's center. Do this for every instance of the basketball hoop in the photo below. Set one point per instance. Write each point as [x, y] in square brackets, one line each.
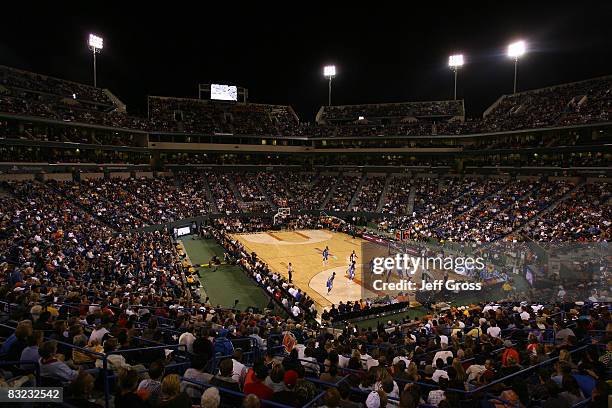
[281, 214]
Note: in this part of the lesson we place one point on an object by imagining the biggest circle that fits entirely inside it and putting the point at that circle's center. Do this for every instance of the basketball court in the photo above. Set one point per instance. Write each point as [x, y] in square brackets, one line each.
[304, 248]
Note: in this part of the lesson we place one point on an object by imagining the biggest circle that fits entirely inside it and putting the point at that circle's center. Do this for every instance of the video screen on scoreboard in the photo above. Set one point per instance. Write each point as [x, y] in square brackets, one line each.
[223, 92]
[179, 232]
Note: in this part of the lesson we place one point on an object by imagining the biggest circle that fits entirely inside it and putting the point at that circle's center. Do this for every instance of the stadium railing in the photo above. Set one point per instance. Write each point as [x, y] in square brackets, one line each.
[248, 357]
[33, 367]
[373, 312]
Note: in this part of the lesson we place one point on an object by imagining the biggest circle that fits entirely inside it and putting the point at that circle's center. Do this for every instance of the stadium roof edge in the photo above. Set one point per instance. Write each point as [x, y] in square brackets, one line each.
[468, 135]
[41, 119]
[161, 132]
[559, 85]
[49, 76]
[396, 103]
[215, 101]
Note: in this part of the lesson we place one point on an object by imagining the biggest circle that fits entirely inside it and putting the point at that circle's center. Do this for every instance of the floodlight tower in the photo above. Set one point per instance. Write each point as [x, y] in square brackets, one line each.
[516, 50]
[329, 71]
[455, 62]
[96, 43]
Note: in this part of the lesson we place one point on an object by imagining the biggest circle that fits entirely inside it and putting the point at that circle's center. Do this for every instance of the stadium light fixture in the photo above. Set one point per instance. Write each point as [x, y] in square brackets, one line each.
[516, 50]
[96, 43]
[455, 62]
[329, 71]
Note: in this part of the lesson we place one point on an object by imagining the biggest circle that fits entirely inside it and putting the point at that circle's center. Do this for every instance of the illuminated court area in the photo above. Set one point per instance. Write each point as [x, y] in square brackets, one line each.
[303, 248]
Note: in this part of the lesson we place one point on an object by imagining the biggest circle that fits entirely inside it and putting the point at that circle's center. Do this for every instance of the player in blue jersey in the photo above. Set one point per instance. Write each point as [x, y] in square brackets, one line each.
[325, 255]
[330, 282]
[351, 271]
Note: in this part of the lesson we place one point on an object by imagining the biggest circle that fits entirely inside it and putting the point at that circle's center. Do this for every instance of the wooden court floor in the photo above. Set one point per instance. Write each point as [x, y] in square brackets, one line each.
[303, 248]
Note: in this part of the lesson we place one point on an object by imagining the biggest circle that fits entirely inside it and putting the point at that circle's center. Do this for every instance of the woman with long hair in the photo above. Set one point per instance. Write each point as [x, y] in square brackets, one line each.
[412, 372]
[461, 375]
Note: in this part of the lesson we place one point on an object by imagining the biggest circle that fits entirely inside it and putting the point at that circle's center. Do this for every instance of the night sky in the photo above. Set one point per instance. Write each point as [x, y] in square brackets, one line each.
[382, 54]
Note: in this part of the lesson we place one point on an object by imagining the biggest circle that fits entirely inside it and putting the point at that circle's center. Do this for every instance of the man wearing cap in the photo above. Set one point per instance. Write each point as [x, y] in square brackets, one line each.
[254, 334]
[510, 351]
[563, 333]
[429, 370]
[287, 396]
[97, 335]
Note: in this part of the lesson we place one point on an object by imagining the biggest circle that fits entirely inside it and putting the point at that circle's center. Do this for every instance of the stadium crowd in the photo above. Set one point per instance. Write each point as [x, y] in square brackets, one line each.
[15, 78]
[253, 199]
[344, 190]
[25, 103]
[585, 216]
[397, 196]
[501, 213]
[370, 193]
[31, 94]
[485, 210]
[84, 302]
[530, 355]
[225, 199]
[298, 190]
[396, 111]
[30, 155]
[206, 117]
[448, 208]
[563, 105]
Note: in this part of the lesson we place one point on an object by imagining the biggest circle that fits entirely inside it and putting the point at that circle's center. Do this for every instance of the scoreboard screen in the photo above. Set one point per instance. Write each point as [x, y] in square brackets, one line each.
[223, 92]
[179, 232]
